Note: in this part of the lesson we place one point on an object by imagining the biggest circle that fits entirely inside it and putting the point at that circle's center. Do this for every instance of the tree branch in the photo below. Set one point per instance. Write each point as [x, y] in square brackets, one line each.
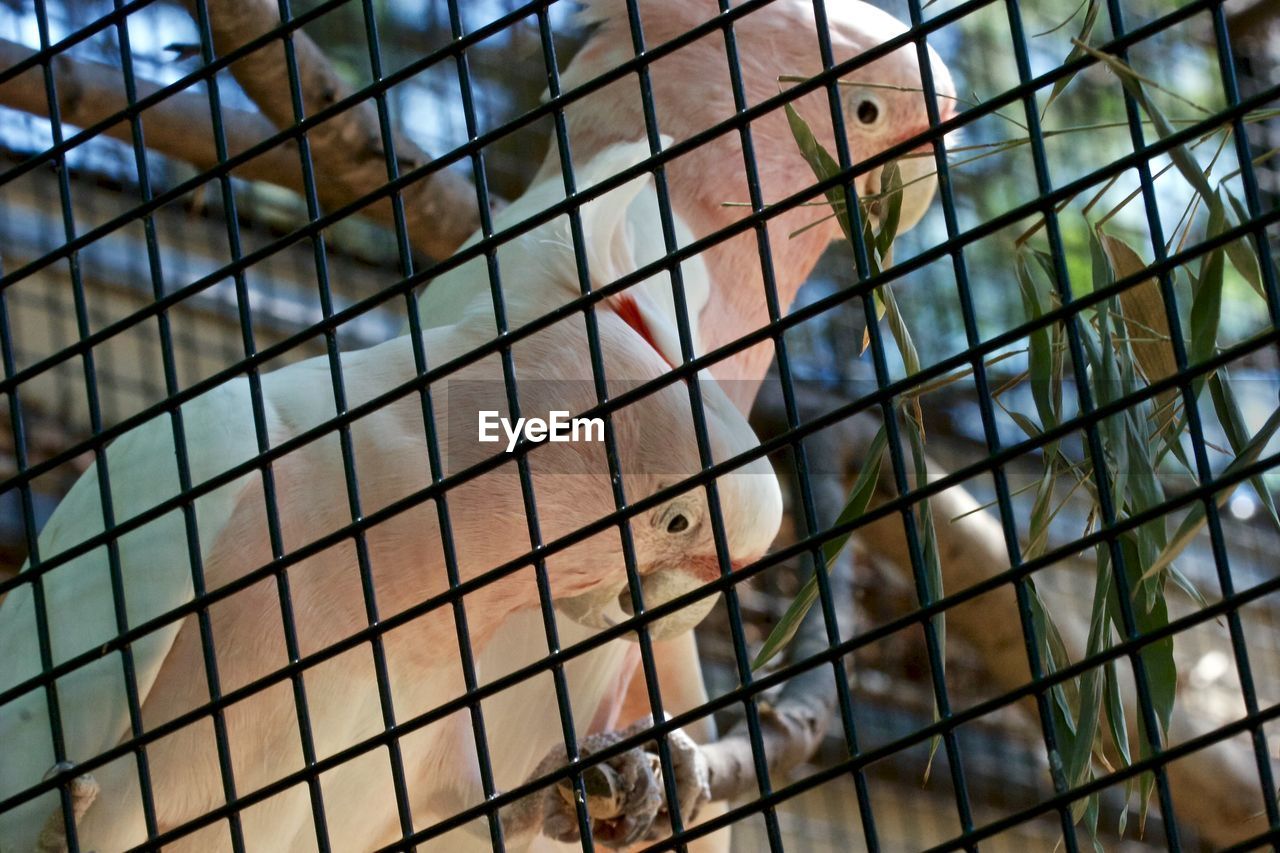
[794, 724]
[178, 126]
[347, 149]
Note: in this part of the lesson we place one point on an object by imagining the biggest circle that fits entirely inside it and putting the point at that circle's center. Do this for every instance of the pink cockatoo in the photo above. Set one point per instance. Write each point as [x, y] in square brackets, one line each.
[883, 105]
[406, 556]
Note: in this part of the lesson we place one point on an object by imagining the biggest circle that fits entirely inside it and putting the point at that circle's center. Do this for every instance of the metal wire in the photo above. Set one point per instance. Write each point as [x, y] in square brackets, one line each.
[750, 688]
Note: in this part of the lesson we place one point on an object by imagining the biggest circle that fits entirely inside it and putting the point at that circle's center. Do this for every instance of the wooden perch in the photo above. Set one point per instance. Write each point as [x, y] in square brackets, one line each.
[795, 722]
[346, 149]
[179, 126]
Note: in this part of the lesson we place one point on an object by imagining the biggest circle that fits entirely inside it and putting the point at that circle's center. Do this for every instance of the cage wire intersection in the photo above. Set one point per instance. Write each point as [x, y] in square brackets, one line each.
[329, 325]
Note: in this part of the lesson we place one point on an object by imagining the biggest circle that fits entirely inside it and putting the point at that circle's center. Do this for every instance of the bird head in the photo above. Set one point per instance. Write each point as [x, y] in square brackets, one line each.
[883, 102]
[700, 532]
[674, 544]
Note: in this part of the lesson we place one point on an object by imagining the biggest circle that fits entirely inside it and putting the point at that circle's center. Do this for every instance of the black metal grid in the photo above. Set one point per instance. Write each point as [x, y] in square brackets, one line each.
[751, 686]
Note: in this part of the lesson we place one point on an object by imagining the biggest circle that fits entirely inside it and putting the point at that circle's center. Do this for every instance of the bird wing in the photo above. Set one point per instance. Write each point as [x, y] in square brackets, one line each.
[80, 600]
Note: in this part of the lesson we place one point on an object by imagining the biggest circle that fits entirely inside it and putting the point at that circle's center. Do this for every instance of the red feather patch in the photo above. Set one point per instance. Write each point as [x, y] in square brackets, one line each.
[626, 307]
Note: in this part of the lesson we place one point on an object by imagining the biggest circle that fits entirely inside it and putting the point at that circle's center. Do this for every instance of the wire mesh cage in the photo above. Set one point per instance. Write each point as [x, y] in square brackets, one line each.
[972, 303]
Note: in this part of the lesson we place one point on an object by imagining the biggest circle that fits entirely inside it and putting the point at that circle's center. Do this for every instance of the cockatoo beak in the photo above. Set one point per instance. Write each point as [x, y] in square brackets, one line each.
[919, 183]
[608, 605]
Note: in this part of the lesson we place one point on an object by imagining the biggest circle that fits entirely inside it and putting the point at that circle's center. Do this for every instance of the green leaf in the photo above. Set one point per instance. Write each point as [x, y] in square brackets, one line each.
[1115, 712]
[860, 496]
[1157, 657]
[1091, 811]
[1040, 356]
[1025, 423]
[1196, 517]
[1206, 304]
[1232, 422]
[1103, 274]
[901, 334]
[1241, 251]
[1055, 658]
[1145, 489]
[1187, 585]
[1045, 260]
[1068, 20]
[1146, 787]
[1086, 727]
[823, 165]
[1086, 30]
[890, 207]
[928, 536]
[1092, 682]
[859, 499]
[1041, 511]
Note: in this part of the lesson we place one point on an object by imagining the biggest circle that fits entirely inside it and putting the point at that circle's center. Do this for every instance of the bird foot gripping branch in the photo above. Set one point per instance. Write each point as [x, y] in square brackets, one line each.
[625, 795]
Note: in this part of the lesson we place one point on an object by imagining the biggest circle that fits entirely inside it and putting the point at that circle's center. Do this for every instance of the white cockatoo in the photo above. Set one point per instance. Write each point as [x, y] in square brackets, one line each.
[724, 287]
[406, 557]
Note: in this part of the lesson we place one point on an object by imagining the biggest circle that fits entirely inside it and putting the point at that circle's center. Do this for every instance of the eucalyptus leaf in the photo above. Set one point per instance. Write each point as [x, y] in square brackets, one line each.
[1206, 304]
[1196, 517]
[1241, 251]
[823, 165]
[890, 207]
[1232, 422]
[1040, 356]
[1086, 30]
[859, 499]
[1115, 713]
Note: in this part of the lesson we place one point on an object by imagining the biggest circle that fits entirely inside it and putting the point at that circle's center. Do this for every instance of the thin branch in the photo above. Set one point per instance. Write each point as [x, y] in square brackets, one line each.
[794, 723]
[346, 149]
[178, 126]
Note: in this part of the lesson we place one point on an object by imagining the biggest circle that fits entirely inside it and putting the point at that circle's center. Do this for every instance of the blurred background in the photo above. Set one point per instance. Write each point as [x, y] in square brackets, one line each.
[1005, 769]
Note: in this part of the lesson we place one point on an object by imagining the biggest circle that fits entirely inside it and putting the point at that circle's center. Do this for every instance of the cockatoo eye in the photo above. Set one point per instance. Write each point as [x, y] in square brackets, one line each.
[868, 111]
[679, 516]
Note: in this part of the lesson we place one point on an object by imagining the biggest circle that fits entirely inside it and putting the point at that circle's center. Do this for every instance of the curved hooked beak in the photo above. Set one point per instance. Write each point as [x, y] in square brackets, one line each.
[919, 183]
[608, 605]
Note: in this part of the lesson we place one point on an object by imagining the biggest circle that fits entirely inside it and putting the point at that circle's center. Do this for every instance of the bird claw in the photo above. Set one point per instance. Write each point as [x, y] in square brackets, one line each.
[83, 790]
[625, 796]
[692, 783]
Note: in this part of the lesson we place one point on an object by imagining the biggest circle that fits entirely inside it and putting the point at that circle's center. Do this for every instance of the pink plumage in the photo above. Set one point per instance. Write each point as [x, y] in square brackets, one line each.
[692, 91]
